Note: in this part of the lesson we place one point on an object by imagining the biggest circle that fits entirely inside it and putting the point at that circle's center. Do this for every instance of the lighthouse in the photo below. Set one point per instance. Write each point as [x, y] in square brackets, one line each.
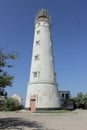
[42, 90]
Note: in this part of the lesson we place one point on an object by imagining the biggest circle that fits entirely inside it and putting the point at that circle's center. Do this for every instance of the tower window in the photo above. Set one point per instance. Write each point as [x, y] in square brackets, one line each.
[38, 31]
[37, 57]
[35, 74]
[38, 42]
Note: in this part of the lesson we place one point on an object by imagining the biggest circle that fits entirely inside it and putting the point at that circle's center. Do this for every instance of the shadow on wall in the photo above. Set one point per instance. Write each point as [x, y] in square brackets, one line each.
[18, 124]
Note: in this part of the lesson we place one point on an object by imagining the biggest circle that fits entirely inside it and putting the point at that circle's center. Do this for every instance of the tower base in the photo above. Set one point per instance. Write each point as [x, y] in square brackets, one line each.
[42, 96]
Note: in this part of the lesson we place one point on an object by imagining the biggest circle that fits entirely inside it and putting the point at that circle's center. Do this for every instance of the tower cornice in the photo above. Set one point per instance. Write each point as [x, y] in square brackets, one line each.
[42, 15]
[42, 82]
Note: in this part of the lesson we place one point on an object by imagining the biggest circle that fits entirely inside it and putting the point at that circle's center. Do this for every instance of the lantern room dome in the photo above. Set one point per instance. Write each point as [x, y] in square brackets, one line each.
[42, 15]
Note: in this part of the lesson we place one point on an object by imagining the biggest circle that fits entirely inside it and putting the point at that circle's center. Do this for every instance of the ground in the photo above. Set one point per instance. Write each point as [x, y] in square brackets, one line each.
[25, 120]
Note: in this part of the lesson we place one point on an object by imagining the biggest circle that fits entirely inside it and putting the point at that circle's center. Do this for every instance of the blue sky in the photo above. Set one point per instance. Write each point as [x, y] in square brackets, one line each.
[69, 36]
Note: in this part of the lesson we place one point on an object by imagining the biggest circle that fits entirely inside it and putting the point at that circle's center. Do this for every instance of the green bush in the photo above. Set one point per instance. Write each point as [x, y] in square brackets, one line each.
[10, 105]
[81, 100]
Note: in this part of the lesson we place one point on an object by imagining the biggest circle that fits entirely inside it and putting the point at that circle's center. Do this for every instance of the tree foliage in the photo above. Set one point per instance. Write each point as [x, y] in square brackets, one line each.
[5, 78]
[81, 100]
[10, 105]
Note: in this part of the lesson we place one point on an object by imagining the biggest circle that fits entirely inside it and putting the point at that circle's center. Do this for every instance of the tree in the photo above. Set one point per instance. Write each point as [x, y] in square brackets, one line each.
[5, 78]
[81, 100]
[78, 99]
[10, 105]
[84, 101]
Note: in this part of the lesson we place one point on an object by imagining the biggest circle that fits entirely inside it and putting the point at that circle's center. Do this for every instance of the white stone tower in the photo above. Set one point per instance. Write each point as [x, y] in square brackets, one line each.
[42, 91]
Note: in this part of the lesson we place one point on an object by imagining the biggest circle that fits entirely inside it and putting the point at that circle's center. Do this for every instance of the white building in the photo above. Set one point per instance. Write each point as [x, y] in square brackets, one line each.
[66, 101]
[42, 91]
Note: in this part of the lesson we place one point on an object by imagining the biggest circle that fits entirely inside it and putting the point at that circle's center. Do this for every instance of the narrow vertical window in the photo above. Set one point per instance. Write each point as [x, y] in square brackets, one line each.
[35, 74]
[37, 57]
[62, 95]
[67, 96]
[38, 31]
[38, 42]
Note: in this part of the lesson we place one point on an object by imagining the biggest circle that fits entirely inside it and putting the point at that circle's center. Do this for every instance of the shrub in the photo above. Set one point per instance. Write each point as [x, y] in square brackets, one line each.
[10, 105]
[81, 100]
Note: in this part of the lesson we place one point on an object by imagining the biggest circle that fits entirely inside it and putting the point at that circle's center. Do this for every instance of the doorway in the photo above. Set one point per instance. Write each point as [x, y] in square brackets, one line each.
[33, 105]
